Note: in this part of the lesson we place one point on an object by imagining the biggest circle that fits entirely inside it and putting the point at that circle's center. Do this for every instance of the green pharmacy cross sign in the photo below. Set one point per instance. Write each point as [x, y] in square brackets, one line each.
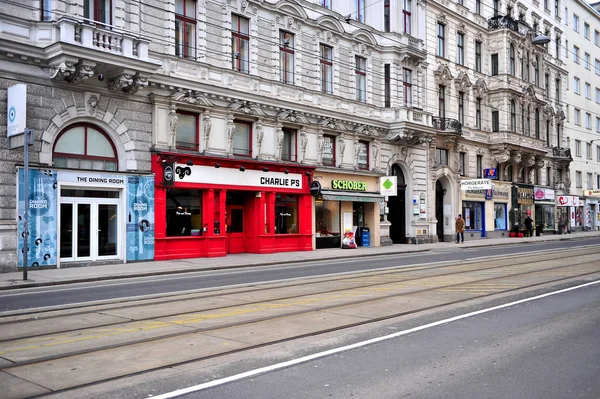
[387, 184]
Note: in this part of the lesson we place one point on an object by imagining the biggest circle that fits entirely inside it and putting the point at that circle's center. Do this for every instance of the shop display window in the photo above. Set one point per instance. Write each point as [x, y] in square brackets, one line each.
[184, 213]
[500, 217]
[472, 213]
[327, 214]
[329, 150]
[286, 214]
[547, 217]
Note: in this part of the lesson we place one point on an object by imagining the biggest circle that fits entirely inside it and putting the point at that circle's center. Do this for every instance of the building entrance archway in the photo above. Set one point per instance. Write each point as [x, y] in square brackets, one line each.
[397, 209]
[439, 210]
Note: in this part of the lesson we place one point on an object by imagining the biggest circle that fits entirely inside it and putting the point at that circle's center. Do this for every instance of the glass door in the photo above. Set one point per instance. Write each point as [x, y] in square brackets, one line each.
[83, 230]
[107, 229]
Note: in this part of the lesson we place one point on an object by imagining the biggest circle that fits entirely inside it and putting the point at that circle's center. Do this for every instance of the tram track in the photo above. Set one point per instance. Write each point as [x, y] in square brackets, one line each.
[586, 265]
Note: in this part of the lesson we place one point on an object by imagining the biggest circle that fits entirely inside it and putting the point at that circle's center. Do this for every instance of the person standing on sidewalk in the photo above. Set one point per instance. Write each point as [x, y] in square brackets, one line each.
[529, 224]
[460, 229]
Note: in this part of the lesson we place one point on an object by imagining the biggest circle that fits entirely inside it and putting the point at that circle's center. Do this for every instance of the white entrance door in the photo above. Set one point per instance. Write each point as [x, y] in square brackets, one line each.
[89, 229]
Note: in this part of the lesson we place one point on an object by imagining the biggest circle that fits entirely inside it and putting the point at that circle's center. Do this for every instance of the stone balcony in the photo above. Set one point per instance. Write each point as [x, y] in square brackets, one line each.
[503, 22]
[518, 140]
[446, 125]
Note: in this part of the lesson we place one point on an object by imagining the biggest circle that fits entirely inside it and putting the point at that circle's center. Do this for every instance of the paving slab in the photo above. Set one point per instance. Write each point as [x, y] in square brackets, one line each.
[16, 388]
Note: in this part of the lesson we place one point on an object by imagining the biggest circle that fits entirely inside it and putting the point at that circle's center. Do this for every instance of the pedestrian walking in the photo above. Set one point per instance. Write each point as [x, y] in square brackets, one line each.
[529, 224]
[460, 229]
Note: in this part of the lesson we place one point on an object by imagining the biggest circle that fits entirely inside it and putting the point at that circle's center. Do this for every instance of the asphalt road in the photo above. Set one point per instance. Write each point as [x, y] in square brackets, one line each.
[547, 348]
[115, 289]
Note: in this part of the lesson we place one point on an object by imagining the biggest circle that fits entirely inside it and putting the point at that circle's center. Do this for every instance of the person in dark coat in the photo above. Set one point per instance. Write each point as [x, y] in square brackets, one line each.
[529, 226]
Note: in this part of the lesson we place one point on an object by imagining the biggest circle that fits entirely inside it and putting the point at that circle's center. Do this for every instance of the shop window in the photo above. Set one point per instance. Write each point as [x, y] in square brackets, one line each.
[363, 155]
[240, 43]
[84, 147]
[288, 147]
[185, 28]
[286, 214]
[186, 136]
[548, 218]
[499, 216]
[184, 215]
[441, 156]
[472, 213]
[327, 219]
[328, 150]
[242, 139]
[98, 11]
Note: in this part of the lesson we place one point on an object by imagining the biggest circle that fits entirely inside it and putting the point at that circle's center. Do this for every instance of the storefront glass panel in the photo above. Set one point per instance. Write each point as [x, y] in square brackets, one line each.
[66, 230]
[83, 230]
[546, 212]
[472, 213]
[108, 229]
[286, 214]
[327, 218]
[184, 216]
[500, 217]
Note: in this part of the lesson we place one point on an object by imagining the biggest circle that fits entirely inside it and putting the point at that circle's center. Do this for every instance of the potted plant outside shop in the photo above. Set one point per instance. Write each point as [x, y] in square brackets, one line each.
[514, 218]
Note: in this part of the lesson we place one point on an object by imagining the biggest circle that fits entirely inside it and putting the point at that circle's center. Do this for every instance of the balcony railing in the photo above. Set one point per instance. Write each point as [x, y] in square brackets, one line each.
[446, 124]
[561, 152]
[503, 22]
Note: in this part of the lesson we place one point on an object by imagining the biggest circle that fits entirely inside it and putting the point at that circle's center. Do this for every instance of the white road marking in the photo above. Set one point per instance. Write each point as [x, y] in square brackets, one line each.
[314, 356]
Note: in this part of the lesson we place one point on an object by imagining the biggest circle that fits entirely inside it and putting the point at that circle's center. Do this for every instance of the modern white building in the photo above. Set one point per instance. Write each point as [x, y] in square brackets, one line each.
[582, 57]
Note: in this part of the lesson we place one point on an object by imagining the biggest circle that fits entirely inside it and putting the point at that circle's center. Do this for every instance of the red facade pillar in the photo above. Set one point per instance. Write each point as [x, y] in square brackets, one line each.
[208, 212]
[223, 212]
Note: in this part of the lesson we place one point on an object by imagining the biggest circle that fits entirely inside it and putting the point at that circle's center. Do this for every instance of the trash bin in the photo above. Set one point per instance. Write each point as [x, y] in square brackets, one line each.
[365, 237]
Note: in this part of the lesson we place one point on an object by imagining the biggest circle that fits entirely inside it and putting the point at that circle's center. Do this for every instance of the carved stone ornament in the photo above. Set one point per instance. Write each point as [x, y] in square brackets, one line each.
[376, 146]
[206, 128]
[442, 74]
[342, 148]
[191, 97]
[500, 155]
[292, 116]
[403, 153]
[539, 162]
[303, 144]
[71, 72]
[280, 135]
[320, 145]
[528, 160]
[356, 150]
[127, 83]
[480, 88]
[366, 130]
[442, 18]
[462, 82]
[173, 122]
[332, 124]
[461, 28]
[515, 157]
[260, 134]
[230, 134]
[246, 107]
[92, 104]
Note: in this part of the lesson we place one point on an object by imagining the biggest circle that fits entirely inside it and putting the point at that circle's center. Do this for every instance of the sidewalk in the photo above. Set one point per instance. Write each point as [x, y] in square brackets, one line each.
[39, 278]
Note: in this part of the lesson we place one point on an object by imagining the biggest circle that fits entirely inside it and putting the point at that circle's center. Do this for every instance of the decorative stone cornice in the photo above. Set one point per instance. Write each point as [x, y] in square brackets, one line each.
[191, 97]
[247, 107]
[442, 74]
[333, 124]
[292, 116]
[366, 130]
[72, 72]
[127, 83]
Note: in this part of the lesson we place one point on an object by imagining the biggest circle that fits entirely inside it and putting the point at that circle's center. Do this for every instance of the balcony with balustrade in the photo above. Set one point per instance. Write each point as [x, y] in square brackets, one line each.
[447, 125]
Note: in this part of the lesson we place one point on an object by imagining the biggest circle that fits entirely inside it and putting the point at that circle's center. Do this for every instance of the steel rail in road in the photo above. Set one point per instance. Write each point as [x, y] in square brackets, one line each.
[375, 291]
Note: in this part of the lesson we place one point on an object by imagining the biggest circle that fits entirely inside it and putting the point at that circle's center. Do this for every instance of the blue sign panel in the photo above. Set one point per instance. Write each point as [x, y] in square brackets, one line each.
[490, 174]
[489, 194]
[42, 217]
[140, 218]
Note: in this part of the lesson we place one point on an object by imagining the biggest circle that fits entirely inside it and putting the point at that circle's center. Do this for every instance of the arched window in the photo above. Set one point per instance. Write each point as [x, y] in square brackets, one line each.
[84, 147]
[513, 116]
[512, 60]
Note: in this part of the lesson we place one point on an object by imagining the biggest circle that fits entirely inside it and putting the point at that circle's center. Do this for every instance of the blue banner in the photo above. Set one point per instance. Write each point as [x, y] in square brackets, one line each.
[140, 218]
[42, 217]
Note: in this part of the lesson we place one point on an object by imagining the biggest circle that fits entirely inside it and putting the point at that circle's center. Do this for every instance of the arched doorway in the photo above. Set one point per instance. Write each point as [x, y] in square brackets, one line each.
[397, 209]
[439, 210]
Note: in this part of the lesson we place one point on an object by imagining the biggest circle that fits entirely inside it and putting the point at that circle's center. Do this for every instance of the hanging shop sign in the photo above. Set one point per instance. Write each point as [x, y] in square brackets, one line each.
[348, 185]
[543, 194]
[525, 196]
[315, 188]
[476, 184]
[567, 200]
[169, 173]
[591, 193]
[16, 110]
[388, 185]
[237, 177]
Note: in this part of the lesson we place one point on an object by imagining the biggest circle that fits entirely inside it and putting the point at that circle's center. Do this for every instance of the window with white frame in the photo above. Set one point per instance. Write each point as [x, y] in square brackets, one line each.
[588, 120]
[576, 85]
[576, 54]
[360, 10]
[406, 15]
[240, 43]
[477, 56]
[360, 71]
[441, 156]
[441, 40]
[578, 182]
[598, 153]
[575, 23]
[513, 116]
[101, 10]
[598, 95]
[288, 145]
[586, 61]
[597, 38]
[577, 116]
[588, 91]
[242, 139]
[460, 49]
[185, 28]
[407, 86]
[586, 30]
[588, 150]
[46, 10]
[597, 124]
[326, 62]
[286, 57]
[577, 148]
[597, 66]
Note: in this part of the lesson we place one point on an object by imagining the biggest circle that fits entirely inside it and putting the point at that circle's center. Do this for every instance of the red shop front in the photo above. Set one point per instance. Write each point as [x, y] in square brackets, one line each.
[210, 206]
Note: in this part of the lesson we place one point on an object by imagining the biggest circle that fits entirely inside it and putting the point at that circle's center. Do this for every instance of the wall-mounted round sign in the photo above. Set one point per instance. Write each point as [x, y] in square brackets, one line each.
[315, 188]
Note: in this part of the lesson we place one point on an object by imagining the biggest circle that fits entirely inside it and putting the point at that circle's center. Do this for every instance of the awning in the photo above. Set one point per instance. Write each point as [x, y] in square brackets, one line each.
[354, 197]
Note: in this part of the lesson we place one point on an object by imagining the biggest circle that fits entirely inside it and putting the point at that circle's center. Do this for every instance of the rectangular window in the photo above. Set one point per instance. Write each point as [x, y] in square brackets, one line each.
[473, 215]
[547, 84]
[360, 10]
[326, 4]
[556, 8]
[557, 90]
[407, 15]
[578, 182]
[326, 61]
[588, 120]
[597, 124]
[286, 214]
[46, 10]
[576, 54]
[597, 38]
[575, 23]
[586, 30]
[386, 15]
[557, 47]
[441, 38]
[577, 117]
[478, 7]
[184, 212]
[494, 64]
[495, 121]
[548, 175]
[407, 85]
[442, 101]
[478, 113]
[500, 217]
[240, 47]
[288, 146]
[327, 221]
[478, 56]
[588, 91]
[598, 153]
[286, 57]
[387, 89]
[185, 28]
[462, 163]
[598, 95]
[461, 107]
[360, 71]
[328, 150]
[363, 155]
[590, 181]
[460, 49]
[577, 148]
[586, 61]
[242, 139]
[101, 10]
[588, 150]
[186, 136]
[597, 66]
[441, 156]
[576, 85]
[479, 166]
